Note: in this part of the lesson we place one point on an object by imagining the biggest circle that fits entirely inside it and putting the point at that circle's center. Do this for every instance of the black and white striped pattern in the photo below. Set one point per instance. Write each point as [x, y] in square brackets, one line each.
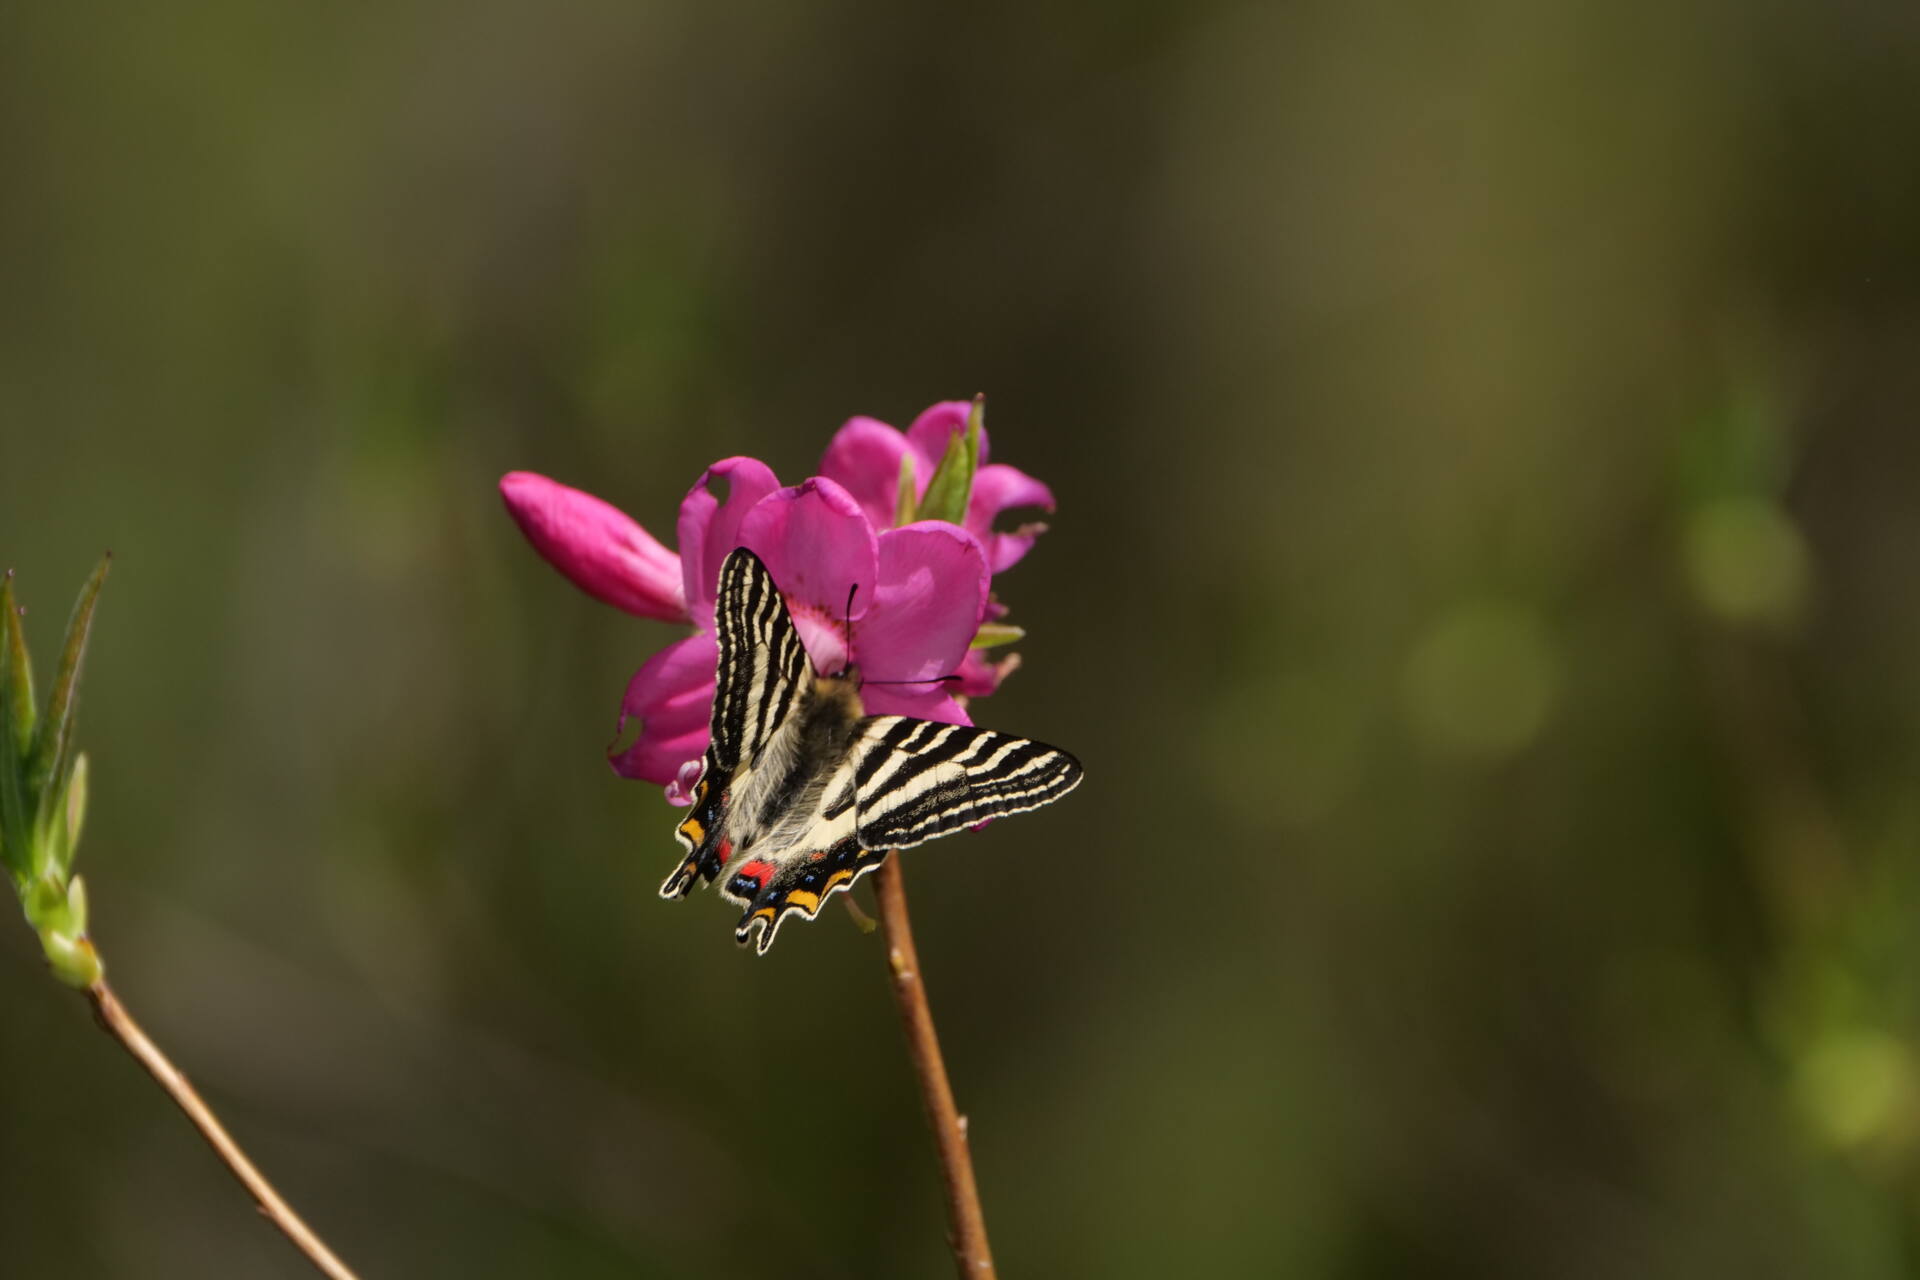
[762, 664]
[913, 780]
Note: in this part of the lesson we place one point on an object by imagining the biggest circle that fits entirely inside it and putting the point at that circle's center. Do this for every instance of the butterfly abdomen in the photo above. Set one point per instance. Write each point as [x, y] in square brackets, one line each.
[823, 731]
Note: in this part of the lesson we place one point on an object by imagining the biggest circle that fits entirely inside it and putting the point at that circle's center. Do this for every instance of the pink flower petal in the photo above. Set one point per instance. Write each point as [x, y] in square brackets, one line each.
[927, 605]
[864, 459]
[818, 546]
[995, 489]
[922, 702]
[660, 760]
[981, 675]
[597, 546]
[931, 430]
[709, 528]
[680, 790]
[672, 693]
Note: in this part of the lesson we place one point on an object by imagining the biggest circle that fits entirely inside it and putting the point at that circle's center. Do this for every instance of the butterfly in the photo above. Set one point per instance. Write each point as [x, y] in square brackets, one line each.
[801, 792]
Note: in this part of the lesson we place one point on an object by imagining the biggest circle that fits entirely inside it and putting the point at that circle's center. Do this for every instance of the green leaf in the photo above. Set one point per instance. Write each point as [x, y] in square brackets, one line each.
[952, 483]
[19, 670]
[74, 812]
[77, 905]
[992, 634]
[904, 507]
[57, 832]
[53, 743]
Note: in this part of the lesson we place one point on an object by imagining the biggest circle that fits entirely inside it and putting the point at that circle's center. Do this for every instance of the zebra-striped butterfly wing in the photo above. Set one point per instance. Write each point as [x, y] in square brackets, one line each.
[801, 793]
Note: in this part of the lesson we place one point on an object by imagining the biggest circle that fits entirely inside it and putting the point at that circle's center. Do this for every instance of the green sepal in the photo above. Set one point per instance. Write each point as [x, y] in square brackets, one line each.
[905, 507]
[952, 483]
[45, 903]
[861, 920]
[53, 743]
[18, 668]
[69, 951]
[993, 634]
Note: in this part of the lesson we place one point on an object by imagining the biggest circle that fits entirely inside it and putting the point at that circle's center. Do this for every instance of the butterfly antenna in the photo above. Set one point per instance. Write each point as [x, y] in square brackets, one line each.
[846, 630]
[928, 680]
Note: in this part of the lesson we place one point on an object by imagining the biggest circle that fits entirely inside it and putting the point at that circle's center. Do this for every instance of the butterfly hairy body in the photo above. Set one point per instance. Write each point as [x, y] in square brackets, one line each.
[801, 793]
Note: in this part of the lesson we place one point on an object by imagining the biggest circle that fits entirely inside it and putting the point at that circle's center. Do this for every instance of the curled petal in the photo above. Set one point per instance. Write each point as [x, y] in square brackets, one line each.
[864, 459]
[680, 790]
[981, 675]
[922, 702]
[927, 605]
[995, 489]
[597, 546]
[710, 528]
[818, 546]
[931, 430]
[672, 694]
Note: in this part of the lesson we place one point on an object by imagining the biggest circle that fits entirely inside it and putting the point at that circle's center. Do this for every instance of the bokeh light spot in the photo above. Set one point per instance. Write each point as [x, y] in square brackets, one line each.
[1482, 679]
[1853, 1084]
[1746, 561]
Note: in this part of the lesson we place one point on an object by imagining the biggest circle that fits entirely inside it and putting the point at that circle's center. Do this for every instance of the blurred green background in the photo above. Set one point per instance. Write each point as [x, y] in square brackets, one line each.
[1483, 592]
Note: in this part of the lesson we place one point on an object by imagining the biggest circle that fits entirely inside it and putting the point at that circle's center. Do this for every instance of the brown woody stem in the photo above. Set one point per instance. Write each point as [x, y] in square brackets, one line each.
[120, 1025]
[967, 1226]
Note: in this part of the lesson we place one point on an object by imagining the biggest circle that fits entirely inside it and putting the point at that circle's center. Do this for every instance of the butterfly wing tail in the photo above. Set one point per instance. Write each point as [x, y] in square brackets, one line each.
[800, 887]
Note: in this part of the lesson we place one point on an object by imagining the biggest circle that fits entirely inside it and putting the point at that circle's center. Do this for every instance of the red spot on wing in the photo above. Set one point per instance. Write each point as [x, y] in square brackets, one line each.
[725, 851]
[761, 870]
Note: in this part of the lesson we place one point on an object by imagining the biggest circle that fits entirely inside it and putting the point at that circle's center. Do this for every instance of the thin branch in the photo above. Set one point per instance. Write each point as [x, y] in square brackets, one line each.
[120, 1025]
[966, 1225]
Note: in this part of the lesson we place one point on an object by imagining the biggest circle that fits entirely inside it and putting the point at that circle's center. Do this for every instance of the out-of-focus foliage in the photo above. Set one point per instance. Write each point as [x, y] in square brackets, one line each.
[43, 786]
[1482, 593]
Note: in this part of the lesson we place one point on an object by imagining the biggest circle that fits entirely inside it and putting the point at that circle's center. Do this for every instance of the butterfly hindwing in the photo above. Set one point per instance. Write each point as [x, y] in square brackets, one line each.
[799, 882]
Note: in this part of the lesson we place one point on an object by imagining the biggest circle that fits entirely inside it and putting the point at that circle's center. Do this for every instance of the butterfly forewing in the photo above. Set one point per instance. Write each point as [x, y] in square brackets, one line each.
[761, 675]
[917, 779]
[762, 664]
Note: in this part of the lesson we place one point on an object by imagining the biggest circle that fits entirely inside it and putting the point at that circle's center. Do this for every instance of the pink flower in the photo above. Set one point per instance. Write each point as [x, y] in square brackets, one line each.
[864, 456]
[598, 546]
[910, 599]
[902, 605]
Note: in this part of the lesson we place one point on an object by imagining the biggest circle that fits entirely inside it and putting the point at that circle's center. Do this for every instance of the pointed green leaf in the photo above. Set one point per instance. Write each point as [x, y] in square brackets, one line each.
[992, 634]
[77, 905]
[952, 484]
[47, 851]
[18, 681]
[74, 811]
[53, 743]
[905, 508]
